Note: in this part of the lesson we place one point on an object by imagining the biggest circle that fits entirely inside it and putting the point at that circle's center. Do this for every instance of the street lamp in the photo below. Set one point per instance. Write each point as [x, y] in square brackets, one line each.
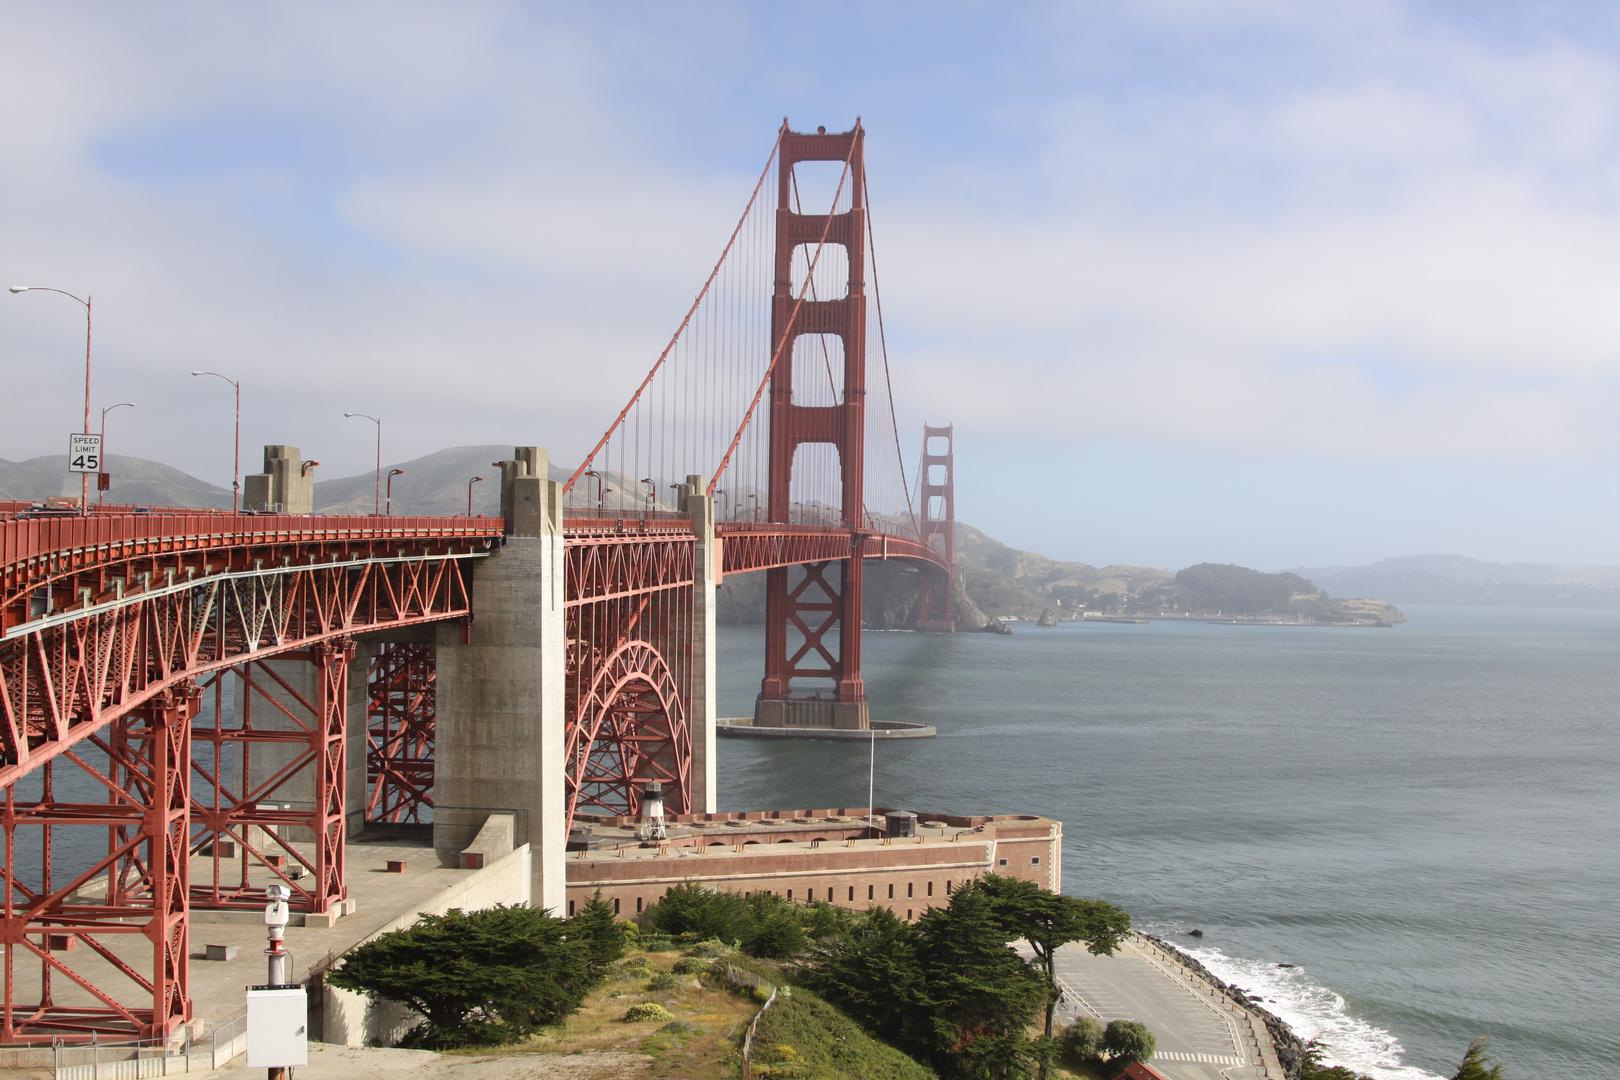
[599, 491]
[756, 508]
[470, 483]
[101, 491]
[236, 459]
[389, 505]
[84, 478]
[652, 491]
[722, 491]
[376, 507]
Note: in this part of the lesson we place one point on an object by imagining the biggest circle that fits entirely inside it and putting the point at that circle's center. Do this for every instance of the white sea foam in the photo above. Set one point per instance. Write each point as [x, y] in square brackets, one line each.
[1315, 1012]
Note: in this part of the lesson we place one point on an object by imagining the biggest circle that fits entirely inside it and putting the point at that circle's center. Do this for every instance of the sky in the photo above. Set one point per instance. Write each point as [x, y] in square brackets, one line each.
[1262, 282]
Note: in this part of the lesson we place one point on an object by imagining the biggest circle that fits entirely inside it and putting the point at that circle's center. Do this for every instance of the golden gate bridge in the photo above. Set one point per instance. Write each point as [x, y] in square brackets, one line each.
[209, 703]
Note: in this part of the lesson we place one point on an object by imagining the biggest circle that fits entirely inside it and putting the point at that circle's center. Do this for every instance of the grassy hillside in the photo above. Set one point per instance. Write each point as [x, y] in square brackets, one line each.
[803, 1036]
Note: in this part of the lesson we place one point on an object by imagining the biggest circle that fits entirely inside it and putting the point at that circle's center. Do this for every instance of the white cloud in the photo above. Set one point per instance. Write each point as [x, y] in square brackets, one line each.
[1393, 243]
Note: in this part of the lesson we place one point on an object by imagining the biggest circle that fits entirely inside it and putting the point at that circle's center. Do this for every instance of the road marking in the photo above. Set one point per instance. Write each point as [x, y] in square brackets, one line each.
[1204, 1059]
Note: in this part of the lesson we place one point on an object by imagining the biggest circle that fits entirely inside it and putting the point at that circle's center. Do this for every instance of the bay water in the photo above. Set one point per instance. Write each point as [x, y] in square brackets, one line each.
[1424, 820]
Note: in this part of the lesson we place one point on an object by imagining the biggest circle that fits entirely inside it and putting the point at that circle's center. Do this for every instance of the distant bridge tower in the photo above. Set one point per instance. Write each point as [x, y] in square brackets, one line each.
[937, 609]
[813, 613]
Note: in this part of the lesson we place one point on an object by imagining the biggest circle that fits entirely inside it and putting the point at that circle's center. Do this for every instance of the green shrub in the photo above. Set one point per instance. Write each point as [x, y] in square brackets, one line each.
[476, 978]
[1082, 1040]
[603, 937]
[663, 981]
[709, 950]
[691, 965]
[1128, 1042]
[647, 1010]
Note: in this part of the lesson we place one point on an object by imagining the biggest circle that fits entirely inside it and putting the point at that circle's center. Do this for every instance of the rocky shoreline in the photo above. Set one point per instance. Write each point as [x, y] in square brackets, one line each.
[1289, 1046]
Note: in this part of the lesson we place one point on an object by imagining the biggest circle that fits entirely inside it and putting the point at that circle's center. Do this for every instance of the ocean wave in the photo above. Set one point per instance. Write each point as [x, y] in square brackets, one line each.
[1315, 1012]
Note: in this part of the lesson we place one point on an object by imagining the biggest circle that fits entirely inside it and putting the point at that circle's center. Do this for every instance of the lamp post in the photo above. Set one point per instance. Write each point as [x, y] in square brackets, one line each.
[756, 508]
[652, 491]
[84, 478]
[598, 477]
[722, 491]
[376, 507]
[236, 457]
[101, 493]
[470, 483]
[387, 494]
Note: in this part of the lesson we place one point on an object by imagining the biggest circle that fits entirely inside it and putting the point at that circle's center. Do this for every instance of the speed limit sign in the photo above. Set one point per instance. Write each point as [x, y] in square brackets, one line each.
[84, 453]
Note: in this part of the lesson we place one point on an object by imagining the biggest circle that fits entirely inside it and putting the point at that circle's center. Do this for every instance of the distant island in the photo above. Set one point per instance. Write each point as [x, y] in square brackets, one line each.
[1453, 579]
[999, 584]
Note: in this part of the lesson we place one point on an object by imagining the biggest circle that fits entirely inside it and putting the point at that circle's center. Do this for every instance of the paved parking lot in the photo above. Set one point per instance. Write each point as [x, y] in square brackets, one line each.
[1197, 1039]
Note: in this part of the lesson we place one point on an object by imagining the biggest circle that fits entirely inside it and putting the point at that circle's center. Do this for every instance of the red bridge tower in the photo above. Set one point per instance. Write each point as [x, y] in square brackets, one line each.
[813, 613]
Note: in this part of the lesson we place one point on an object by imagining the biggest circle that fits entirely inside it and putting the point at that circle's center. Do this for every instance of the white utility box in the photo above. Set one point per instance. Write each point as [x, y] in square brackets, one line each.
[277, 1028]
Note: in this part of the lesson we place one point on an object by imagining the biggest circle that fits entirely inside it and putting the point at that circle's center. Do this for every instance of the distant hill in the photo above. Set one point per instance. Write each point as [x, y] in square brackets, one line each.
[437, 485]
[134, 480]
[1453, 579]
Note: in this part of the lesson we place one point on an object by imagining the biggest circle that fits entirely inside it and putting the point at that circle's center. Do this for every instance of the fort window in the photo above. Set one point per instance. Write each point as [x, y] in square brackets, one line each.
[1001, 862]
[909, 888]
[790, 894]
[908, 914]
[1035, 860]
[947, 886]
[829, 894]
[784, 840]
[891, 892]
[852, 894]
[638, 905]
[869, 889]
[930, 888]
[570, 909]
[615, 905]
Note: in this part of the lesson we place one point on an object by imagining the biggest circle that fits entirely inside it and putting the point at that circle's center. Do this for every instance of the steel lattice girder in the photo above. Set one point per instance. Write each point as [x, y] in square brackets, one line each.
[61, 680]
[400, 732]
[138, 888]
[242, 804]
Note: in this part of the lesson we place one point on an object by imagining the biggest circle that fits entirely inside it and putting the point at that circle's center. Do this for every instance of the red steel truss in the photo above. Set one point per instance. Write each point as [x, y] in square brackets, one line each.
[936, 609]
[137, 889]
[273, 808]
[399, 746]
[107, 625]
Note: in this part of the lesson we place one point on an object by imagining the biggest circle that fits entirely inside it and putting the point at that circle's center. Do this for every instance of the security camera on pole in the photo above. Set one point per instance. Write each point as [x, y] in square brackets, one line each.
[277, 1018]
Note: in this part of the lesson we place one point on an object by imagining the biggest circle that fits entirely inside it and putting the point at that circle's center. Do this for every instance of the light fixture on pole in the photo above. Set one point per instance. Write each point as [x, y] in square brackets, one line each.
[470, 483]
[236, 453]
[388, 506]
[652, 491]
[377, 505]
[84, 478]
[101, 479]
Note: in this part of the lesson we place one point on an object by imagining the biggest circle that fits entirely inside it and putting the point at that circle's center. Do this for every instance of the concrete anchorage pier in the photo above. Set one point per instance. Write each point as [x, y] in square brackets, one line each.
[499, 742]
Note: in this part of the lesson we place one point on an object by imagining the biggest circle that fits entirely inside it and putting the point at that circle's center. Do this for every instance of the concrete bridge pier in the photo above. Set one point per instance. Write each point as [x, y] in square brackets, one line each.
[499, 736]
[706, 578]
